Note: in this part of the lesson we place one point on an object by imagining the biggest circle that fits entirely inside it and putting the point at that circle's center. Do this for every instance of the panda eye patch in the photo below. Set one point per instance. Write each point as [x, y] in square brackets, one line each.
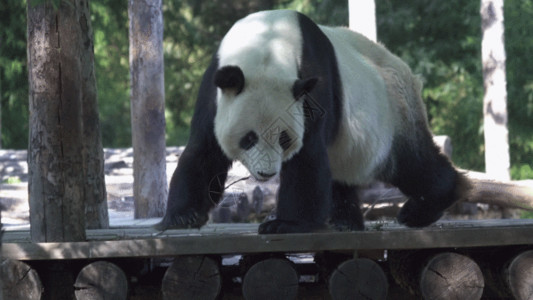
[249, 140]
[284, 140]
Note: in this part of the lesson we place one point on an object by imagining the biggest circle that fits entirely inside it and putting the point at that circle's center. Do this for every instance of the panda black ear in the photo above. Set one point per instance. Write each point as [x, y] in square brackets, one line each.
[302, 86]
[230, 78]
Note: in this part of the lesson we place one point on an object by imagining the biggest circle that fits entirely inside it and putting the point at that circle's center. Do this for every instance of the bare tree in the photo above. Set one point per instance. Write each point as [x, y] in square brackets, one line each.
[497, 161]
[65, 158]
[93, 153]
[362, 14]
[148, 107]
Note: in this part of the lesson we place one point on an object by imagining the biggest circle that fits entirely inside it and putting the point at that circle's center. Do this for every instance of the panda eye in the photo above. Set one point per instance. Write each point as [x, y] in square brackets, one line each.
[284, 140]
[248, 141]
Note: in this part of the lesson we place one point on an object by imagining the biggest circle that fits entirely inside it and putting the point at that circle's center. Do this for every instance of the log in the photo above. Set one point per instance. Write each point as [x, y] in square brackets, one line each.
[359, 278]
[101, 280]
[506, 194]
[445, 275]
[519, 276]
[20, 281]
[272, 278]
[451, 276]
[192, 277]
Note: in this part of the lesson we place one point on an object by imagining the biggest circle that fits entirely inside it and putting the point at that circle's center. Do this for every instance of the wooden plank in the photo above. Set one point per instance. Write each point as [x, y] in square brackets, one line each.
[243, 238]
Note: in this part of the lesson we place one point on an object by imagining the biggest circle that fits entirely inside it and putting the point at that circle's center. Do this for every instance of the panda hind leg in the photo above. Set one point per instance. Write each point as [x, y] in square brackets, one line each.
[346, 213]
[431, 184]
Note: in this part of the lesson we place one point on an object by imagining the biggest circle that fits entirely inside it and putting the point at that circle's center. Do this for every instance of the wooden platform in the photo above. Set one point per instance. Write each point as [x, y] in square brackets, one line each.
[143, 241]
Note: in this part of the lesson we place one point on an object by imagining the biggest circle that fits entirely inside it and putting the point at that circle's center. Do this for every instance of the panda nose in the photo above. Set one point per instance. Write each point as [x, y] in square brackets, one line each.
[266, 175]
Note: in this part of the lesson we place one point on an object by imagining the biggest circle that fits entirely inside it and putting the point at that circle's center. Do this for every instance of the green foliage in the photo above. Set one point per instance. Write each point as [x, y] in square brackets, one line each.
[527, 215]
[440, 40]
[518, 47]
[13, 74]
[111, 57]
[12, 180]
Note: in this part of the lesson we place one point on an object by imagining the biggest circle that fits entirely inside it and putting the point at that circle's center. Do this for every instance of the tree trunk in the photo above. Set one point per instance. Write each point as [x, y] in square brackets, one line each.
[497, 161]
[93, 153]
[362, 15]
[147, 107]
[65, 158]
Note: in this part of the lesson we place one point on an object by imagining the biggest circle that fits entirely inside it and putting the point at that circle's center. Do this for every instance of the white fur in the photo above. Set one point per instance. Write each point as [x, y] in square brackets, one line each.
[366, 130]
[266, 47]
[381, 101]
[380, 97]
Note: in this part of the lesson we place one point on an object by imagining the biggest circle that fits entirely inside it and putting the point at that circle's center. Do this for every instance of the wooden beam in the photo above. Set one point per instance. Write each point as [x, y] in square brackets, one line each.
[243, 238]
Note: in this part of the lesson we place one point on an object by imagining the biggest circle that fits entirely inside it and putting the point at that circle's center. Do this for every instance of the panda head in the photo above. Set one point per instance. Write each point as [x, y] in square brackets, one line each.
[259, 119]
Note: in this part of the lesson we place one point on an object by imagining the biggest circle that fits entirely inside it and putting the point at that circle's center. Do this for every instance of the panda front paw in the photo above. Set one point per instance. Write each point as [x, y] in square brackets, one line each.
[414, 214]
[283, 226]
[189, 218]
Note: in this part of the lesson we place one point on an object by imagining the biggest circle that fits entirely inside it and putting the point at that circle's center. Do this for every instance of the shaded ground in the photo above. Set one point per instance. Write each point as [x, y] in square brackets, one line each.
[119, 185]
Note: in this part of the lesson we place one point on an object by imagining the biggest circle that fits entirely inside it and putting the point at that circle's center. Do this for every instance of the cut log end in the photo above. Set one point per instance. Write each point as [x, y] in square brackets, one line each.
[192, 277]
[20, 281]
[519, 276]
[359, 278]
[451, 276]
[272, 278]
[101, 280]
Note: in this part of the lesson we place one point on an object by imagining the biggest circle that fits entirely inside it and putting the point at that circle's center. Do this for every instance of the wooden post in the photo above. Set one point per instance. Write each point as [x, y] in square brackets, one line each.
[148, 107]
[192, 277]
[443, 276]
[272, 278]
[95, 196]
[359, 278]
[19, 281]
[101, 280]
[55, 161]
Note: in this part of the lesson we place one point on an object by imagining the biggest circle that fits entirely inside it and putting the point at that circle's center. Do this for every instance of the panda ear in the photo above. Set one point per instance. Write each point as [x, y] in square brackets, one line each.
[230, 79]
[302, 86]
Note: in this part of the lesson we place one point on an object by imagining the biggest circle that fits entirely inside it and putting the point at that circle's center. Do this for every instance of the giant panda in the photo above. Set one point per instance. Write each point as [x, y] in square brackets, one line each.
[326, 109]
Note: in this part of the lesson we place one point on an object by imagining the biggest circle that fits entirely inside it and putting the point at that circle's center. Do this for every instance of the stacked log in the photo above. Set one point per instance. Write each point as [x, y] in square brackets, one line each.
[271, 278]
[20, 281]
[509, 272]
[358, 278]
[518, 275]
[101, 280]
[430, 275]
[192, 277]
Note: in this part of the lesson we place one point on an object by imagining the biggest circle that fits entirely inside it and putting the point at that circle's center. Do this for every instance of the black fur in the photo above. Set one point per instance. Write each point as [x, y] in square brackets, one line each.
[302, 86]
[304, 196]
[198, 182]
[346, 213]
[229, 78]
[307, 195]
[427, 177]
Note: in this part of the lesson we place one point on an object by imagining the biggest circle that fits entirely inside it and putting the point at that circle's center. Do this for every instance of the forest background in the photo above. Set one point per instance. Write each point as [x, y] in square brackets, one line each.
[440, 40]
